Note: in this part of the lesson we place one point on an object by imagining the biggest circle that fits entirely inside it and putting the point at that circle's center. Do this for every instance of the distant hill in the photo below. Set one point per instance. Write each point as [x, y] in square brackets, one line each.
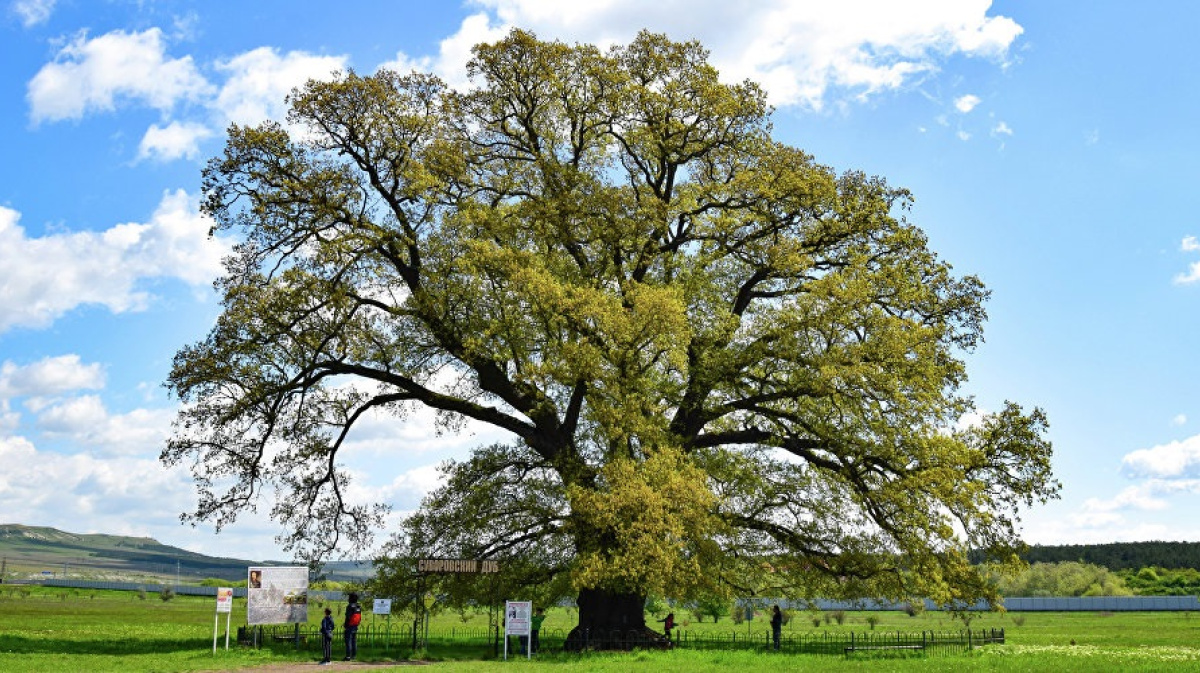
[1121, 555]
[38, 550]
[31, 551]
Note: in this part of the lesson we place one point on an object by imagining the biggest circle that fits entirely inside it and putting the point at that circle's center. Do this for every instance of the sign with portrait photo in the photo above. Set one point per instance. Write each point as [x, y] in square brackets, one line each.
[277, 595]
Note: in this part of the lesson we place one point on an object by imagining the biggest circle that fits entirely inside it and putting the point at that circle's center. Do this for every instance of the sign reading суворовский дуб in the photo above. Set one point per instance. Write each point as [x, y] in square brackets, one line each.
[449, 565]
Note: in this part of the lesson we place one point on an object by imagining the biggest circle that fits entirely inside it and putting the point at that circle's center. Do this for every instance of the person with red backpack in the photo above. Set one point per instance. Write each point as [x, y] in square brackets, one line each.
[350, 627]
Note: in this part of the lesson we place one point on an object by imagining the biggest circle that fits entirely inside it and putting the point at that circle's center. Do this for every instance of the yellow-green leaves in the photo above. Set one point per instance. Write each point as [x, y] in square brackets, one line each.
[648, 528]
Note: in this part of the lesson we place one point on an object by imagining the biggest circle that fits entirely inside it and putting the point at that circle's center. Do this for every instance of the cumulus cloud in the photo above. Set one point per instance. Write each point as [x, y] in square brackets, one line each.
[257, 82]
[454, 51]
[49, 376]
[1179, 419]
[33, 12]
[1138, 497]
[965, 104]
[95, 73]
[86, 422]
[1001, 129]
[71, 491]
[800, 50]
[1189, 244]
[47, 276]
[173, 141]
[1174, 459]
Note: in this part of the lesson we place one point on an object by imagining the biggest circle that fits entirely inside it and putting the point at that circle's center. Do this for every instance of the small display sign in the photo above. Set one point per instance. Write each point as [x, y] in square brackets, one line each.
[516, 617]
[224, 599]
[383, 606]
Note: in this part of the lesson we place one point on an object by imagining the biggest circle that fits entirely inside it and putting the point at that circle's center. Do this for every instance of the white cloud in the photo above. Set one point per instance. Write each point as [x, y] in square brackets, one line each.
[259, 80]
[94, 74]
[1191, 276]
[1189, 244]
[965, 104]
[453, 52]
[46, 277]
[49, 376]
[800, 50]
[80, 491]
[173, 141]
[1179, 419]
[963, 135]
[1174, 459]
[1001, 129]
[1138, 497]
[33, 12]
[85, 421]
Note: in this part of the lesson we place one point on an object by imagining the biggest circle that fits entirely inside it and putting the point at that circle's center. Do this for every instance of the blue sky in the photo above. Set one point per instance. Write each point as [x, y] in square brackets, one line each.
[1052, 149]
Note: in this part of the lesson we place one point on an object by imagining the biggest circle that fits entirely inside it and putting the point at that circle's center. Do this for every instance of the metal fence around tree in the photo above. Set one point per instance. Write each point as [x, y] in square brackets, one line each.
[399, 640]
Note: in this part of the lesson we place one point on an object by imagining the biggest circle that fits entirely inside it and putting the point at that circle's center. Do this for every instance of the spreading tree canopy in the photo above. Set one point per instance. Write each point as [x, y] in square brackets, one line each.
[723, 366]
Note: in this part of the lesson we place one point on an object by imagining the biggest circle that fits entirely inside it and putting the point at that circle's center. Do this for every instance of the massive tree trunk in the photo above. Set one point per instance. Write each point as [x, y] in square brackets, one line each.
[610, 621]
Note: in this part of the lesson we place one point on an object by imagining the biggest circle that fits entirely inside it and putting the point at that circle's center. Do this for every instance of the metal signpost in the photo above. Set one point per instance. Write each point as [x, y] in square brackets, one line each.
[383, 606]
[224, 604]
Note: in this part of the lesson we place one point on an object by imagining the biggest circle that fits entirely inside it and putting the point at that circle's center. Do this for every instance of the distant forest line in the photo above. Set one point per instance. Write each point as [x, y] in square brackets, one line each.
[1121, 555]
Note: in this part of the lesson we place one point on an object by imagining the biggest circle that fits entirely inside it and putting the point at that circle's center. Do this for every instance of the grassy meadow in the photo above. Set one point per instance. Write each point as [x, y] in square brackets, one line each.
[49, 629]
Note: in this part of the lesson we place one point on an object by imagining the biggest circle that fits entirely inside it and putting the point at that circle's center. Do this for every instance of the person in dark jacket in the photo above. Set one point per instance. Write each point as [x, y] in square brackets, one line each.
[668, 623]
[776, 625]
[353, 617]
[327, 636]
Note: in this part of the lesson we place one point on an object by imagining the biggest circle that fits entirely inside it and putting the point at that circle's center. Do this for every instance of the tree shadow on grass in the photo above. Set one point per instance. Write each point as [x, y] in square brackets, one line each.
[15, 644]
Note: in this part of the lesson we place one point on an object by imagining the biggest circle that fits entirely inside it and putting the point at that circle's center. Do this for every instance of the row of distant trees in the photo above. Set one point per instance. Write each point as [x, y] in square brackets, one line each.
[1121, 555]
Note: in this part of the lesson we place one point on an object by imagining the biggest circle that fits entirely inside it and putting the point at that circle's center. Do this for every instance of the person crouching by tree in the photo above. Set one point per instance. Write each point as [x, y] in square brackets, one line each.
[668, 623]
[353, 618]
[327, 636]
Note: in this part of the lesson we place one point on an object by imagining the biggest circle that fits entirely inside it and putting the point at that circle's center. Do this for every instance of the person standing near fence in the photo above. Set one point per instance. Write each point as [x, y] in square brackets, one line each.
[668, 624]
[327, 636]
[776, 625]
[353, 618]
[535, 625]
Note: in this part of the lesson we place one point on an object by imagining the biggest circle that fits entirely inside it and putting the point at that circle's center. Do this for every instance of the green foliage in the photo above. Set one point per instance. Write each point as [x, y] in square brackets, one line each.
[725, 366]
[1070, 578]
[714, 606]
[166, 594]
[1163, 581]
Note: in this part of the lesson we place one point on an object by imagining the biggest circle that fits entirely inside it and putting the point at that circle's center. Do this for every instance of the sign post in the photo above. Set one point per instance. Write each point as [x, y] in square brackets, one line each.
[516, 623]
[224, 604]
[383, 606]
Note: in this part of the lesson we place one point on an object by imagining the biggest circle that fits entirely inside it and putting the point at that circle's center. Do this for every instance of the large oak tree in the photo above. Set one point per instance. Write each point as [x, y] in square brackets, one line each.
[724, 367]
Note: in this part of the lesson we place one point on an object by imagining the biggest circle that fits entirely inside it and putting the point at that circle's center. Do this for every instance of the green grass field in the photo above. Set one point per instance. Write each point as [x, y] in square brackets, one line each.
[46, 629]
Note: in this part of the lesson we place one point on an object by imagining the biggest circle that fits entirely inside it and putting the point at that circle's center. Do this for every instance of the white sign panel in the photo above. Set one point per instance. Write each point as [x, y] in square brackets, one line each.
[516, 617]
[224, 599]
[383, 606]
[277, 595]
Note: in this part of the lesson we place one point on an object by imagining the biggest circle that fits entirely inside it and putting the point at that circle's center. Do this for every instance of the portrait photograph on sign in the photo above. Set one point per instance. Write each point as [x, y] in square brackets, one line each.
[280, 597]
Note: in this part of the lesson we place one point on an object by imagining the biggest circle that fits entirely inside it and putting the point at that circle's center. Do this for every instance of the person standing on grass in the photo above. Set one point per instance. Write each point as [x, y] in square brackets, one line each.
[353, 617]
[776, 624]
[535, 625]
[327, 636]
